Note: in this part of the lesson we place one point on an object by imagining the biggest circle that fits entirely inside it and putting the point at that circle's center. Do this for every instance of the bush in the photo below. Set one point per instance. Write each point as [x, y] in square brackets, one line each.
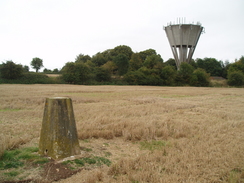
[168, 75]
[236, 78]
[102, 75]
[200, 78]
[143, 76]
[32, 78]
[10, 70]
[76, 73]
[185, 73]
[134, 77]
[153, 79]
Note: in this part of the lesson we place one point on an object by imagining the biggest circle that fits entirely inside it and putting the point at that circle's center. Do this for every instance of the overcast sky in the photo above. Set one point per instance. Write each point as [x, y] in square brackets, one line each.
[58, 30]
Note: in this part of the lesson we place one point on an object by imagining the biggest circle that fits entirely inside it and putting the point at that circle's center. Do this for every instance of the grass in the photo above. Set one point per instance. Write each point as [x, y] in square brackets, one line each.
[236, 175]
[14, 163]
[153, 145]
[12, 173]
[93, 160]
[8, 109]
[19, 157]
[150, 134]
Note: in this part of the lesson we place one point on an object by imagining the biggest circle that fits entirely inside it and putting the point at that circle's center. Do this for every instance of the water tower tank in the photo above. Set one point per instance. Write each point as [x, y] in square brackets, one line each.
[183, 40]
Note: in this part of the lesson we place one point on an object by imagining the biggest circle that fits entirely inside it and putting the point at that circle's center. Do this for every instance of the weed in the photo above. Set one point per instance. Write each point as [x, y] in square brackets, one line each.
[86, 161]
[68, 162]
[41, 160]
[10, 164]
[235, 175]
[107, 154]
[10, 160]
[152, 145]
[12, 173]
[89, 160]
[18, 157]
[31, 149]
[102, 160]
[105, 144]
[15, 163]
[10, 155]
[87, 149]
[79, 162]
[27, 156]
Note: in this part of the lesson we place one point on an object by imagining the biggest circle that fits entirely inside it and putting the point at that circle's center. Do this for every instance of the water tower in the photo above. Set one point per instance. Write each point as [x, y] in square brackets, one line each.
[183, 40]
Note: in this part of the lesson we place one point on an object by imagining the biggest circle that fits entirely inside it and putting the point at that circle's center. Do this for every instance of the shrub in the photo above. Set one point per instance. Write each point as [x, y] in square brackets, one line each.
[235, 78]
[168, 75]
[36, 78]
[134, 77]
[142, 76]
[153, 79]
[32, 78]
[10, 70]
[77, 73]
[102, 75]
[200, 78]
[122, 62]
[185, 73]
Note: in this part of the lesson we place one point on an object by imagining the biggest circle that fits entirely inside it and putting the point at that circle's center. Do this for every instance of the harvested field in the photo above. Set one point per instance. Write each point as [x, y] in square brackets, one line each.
[149, 133]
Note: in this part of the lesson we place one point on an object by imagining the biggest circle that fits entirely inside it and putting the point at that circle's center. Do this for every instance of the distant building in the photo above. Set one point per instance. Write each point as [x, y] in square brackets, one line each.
[183, 40]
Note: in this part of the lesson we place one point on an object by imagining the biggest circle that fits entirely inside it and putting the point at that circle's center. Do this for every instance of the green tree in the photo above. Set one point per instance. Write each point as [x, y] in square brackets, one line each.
[200, 78]
[153, 62]
[225, 65]
[82, 72]
[135, 62]
[36, 63]
[235, 72]
[237, 66]
[102, 74]
[184, 73]
[122, 49]
[110, 66]
[98, 59]
[68, 72]
[168, 75]
[82, 58]
[10, 70]
[171, 62]
[210, 65]
[152, 77]
[26, 68]
[90, 64]
[122, 63]
[135, 78]
[235, 78]
[193, 64]
[55, 71]
[47, 71]
[107, 54]
[76, 73]
[144, 54]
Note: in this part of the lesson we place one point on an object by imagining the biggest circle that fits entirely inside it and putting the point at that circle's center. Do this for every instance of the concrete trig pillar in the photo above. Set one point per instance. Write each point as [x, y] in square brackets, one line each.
[58, 134]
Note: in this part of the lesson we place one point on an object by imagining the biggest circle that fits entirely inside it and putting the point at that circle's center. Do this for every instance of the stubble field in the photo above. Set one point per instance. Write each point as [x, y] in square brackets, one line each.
[149, 133]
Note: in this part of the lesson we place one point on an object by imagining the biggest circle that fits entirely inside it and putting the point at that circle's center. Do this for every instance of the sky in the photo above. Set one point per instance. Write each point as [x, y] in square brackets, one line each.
[58, 30]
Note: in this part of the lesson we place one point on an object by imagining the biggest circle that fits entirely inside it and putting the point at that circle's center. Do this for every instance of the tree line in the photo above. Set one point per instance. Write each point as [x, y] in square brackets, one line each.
[121, 65]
